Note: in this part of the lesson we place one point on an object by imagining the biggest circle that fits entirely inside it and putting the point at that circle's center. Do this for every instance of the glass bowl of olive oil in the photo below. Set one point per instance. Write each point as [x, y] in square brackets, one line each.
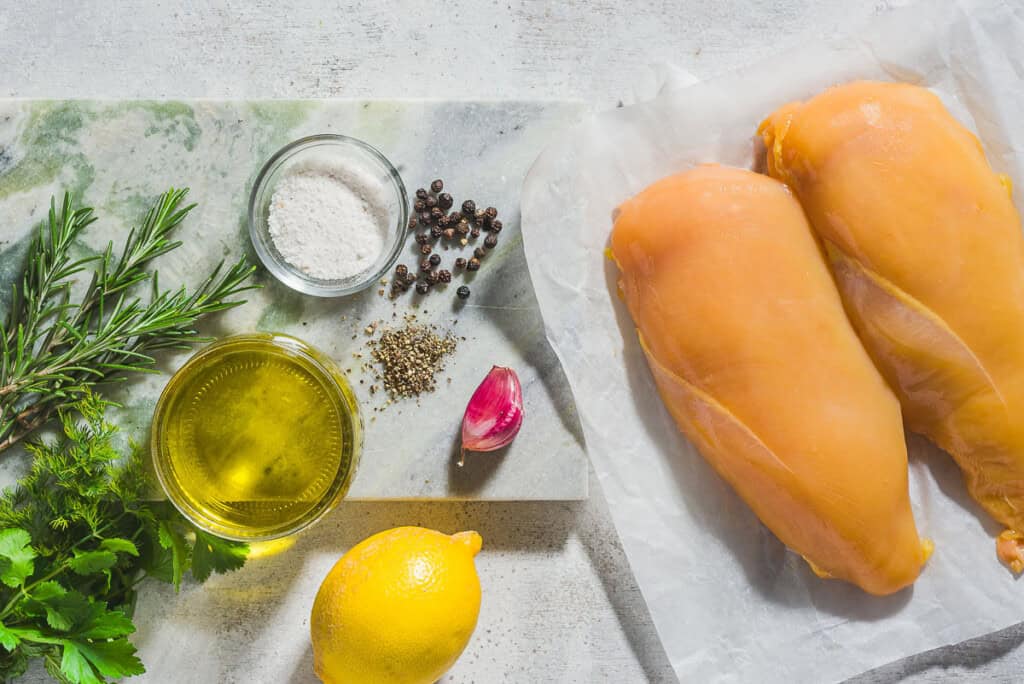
[256, 437]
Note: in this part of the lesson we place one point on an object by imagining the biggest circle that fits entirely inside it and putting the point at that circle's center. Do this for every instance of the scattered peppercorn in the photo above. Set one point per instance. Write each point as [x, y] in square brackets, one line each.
[463, 227]
[401, 270]
[444, 276]
[413, 220]
[445, 201]
[431, 202]
[495, 226]
[491, 213]
[419, 205]
[442, 221]
[435, 259]
[422, 287]
[410, 278]
[426, 249]
[431, 278]
[460, 263]
[436, 231]
[475, 232]
[463, 292]
[436, 213]
[473, 264]
[491, 241]
[425, 265]
[421, 193]
[425, 217]
[448, 233]
[479, 214]
[455, 216]
[422, 238]
[469, 207]
[479, 253]
[437, 186]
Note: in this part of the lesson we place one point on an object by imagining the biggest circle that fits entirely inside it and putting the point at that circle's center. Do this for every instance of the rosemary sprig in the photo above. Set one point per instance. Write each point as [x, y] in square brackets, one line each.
[53, 350]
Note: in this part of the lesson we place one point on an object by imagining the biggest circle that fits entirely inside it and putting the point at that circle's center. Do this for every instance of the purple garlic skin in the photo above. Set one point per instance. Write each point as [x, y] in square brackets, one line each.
[494, 413]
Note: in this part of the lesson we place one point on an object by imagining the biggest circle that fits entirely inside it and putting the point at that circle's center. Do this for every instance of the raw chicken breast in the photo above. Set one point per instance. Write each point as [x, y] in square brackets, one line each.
[926, 248]
[758, 365]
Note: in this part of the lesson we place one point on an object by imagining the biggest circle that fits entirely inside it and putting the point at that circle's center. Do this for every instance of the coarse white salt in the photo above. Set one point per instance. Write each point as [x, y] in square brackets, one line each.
[328, 219]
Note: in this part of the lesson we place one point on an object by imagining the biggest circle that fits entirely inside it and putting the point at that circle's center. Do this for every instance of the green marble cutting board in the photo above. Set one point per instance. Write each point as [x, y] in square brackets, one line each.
[117, 155]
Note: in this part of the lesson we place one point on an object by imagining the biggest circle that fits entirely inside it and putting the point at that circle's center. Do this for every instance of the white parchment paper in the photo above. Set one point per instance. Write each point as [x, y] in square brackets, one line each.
[730, 603]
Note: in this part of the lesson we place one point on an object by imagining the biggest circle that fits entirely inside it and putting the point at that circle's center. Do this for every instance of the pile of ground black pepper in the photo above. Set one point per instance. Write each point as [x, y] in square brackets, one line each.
[441, 224]
[409, 357]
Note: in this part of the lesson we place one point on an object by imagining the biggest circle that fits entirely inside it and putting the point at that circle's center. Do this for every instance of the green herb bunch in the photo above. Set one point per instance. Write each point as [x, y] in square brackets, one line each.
[54, 350]
[76, 538]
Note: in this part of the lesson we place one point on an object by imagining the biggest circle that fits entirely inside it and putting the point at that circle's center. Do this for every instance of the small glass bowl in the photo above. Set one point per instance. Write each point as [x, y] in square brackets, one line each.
[256, 437]
[349, 152]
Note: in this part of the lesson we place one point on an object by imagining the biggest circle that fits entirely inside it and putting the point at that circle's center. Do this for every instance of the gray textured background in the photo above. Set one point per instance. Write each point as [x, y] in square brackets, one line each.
[560, 602]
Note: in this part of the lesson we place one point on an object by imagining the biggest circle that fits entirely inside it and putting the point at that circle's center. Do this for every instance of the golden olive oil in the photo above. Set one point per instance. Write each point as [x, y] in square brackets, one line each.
[256, 436]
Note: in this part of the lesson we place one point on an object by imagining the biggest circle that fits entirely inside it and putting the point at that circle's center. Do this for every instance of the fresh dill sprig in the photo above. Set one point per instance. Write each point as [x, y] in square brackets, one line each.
[76, 539]
[54, 350]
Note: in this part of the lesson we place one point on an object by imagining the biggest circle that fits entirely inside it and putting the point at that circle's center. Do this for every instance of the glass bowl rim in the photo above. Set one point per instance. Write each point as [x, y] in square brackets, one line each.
[291, 276]
[328, 371]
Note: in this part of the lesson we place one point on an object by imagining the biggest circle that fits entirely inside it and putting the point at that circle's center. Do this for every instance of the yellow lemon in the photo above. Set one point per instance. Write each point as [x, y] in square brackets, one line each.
[399, 608]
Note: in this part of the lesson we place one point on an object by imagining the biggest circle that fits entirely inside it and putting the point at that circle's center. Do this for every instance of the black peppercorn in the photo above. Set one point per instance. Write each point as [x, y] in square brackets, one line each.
[401, 270]
[425, 218]
[422, 287]
[491, 241]
[463, 292]
[410, 278]
[421, 194]
[437, 186]
[473, 265]
[412, 222]
[425, 265]
[431, 202]
[436, 213]
[455, 216]
[419, 205]
[422, 238]
[445, 201]
[442, 221]
[479, 214]
[463, 227]
[444, 276]
[448, 233]
[431, 277]
[436, 231]
[491, 213]
[479, 253]
[460, 263]
[426, 249]
[475, 232]
[495, 226]
[469, 207]
[435, 259]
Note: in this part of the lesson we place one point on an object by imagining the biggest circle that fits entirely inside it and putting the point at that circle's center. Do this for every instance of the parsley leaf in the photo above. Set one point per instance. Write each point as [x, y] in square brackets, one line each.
[15, 557]
[216, 555]
[118, 545]
[89, 562]
[8, 638]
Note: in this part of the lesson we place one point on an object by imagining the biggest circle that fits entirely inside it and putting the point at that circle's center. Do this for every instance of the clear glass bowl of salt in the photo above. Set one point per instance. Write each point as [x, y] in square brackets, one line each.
[328, 215]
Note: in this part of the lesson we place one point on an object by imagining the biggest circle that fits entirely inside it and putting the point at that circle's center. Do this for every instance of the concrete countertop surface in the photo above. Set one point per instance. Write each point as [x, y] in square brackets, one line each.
[560, 602]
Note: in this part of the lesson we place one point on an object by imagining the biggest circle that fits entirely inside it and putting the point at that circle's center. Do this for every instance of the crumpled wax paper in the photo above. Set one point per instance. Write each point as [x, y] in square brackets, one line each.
[729, 601]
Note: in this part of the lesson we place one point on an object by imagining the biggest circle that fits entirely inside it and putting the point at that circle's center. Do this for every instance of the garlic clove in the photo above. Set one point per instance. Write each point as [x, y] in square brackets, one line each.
[494, 413]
